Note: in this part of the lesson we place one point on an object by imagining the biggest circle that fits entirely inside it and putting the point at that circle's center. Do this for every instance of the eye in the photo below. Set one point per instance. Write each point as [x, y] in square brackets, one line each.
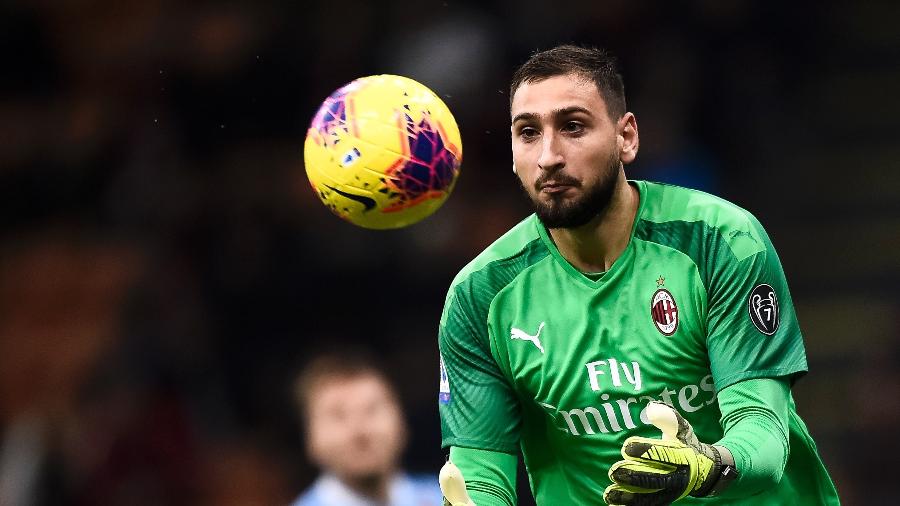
[528, 133]
[573, 127]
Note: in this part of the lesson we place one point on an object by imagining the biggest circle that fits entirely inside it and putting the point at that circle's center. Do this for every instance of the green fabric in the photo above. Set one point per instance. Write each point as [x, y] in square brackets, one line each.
[537, 356]
[465, 347]
[490, 476]
[755, 418]
[772, 449]
[732, 254]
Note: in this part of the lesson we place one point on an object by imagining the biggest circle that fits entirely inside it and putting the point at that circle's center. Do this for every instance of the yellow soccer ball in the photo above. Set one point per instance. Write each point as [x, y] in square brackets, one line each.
[383, 152]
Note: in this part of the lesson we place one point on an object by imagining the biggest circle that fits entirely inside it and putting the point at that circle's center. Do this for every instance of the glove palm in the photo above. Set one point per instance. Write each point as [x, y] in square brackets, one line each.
[661, 471]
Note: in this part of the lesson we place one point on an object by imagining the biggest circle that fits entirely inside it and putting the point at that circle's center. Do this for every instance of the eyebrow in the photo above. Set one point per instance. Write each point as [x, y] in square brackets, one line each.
[531, 116]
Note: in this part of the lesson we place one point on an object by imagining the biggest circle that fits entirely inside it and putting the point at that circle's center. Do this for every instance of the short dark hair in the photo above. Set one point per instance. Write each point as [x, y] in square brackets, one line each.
[595, 64]
[327, 366]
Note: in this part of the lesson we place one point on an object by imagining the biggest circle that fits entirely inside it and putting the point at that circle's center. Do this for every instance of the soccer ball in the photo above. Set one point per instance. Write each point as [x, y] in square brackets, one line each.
[383, 152]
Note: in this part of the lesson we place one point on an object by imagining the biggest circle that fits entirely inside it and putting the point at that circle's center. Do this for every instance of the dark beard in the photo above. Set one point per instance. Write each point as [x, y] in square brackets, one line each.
[573, 213]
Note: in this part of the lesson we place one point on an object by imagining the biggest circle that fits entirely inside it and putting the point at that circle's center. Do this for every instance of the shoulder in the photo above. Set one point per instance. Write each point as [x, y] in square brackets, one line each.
[511, 245]
[475, 286]
[688, 219]
[666, 202]
[500, 262]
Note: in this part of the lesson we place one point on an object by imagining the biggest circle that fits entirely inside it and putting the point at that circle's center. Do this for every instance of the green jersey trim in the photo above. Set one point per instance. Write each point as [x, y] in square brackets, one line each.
[728, 224]
[711, 231]
[705, 245]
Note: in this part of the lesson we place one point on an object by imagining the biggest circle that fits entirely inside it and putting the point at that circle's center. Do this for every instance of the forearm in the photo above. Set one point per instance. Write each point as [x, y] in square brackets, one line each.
[755, 419]
[490, 476]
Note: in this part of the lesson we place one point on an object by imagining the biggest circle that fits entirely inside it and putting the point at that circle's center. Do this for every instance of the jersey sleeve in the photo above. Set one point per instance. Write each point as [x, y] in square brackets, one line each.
[752, 329]
[477, 406]
[490, 476]
[755, 418]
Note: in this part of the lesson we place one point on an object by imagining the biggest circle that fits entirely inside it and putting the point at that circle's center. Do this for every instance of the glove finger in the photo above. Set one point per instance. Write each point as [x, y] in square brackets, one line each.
[646, 476]
[645, 449]
[692, 468]
[672, 481]
[671, 423]
[685, 430]
[453, 485]
[664, 418]
[635, 496]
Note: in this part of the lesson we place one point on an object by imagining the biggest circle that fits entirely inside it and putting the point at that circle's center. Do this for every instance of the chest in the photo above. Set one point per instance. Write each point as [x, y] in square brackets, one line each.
[608, 347]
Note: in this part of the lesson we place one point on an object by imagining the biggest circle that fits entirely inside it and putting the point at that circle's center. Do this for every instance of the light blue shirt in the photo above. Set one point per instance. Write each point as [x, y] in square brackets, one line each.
[404, 490]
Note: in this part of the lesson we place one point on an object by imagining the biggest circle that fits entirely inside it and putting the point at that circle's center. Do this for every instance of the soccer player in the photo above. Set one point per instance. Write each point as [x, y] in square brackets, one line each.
[619, 309]
[355, 433]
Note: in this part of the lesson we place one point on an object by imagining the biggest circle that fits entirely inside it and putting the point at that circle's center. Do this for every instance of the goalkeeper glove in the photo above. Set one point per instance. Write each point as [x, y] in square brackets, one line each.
[661, 471]
[453, 486]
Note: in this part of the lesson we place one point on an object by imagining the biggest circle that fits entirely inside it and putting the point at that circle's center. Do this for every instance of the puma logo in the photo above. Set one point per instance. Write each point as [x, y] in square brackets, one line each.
[520, 334]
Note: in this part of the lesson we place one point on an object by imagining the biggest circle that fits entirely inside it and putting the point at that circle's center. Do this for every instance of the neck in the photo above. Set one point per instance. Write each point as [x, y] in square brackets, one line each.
[373, 486]
[594, 246]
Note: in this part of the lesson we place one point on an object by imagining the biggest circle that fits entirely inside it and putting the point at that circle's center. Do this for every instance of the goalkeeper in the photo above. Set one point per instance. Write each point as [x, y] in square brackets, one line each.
[635, 341]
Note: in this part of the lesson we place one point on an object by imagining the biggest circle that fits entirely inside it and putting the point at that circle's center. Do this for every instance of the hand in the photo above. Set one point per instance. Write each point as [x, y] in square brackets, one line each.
[661, 471]
[453, 486]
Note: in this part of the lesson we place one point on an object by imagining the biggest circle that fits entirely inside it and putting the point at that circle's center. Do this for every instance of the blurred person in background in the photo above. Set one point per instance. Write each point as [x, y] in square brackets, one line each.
[355, 433]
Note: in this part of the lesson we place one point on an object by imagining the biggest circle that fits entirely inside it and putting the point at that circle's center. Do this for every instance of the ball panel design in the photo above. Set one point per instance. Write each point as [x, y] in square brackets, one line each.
[383, 152]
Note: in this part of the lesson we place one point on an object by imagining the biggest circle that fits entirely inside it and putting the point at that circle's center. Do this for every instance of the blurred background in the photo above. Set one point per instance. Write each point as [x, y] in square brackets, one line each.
[165, 267]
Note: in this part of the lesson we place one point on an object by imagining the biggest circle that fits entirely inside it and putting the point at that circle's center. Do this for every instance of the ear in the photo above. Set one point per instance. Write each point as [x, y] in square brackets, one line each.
[628, 138]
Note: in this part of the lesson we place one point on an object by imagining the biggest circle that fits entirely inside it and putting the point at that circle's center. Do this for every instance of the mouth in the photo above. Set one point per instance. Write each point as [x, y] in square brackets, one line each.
[555, 187]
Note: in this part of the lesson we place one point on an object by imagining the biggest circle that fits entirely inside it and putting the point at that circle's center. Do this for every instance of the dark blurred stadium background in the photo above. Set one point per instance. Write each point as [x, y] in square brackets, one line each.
[164, 266]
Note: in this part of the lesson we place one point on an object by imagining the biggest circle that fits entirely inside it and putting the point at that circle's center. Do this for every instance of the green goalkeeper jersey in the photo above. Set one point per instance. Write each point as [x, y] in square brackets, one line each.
[540, 356]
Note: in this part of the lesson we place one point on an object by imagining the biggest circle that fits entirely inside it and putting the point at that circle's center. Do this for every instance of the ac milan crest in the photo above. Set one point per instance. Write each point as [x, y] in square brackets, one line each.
[664, 312]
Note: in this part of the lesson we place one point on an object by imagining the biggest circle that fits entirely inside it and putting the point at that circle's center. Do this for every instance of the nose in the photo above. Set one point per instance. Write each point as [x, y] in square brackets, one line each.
[551, 157]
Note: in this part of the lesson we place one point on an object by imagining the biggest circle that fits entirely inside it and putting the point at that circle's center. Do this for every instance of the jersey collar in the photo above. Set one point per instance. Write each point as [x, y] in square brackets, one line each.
[623, 259]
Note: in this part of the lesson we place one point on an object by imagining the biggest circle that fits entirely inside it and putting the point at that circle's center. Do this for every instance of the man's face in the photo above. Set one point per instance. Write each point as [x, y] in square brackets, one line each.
[566, 149]
[355, 427]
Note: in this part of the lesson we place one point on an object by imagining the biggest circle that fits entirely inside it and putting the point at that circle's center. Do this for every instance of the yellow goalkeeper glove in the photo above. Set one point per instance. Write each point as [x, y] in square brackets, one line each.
[453, 486]
[661, 471]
